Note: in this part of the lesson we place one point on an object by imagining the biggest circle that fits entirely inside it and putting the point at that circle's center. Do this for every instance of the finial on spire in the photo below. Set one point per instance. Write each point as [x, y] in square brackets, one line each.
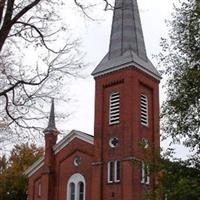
[51, 128]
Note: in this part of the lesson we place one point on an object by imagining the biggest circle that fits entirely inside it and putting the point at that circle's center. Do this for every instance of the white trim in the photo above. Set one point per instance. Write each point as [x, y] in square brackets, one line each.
[72, 135]
[37, 165]
[145, 179]
[148, 177]
[115, 175]
[126, 65]
[76, 179]
[113, 171]
[143, 173]
[108, 166]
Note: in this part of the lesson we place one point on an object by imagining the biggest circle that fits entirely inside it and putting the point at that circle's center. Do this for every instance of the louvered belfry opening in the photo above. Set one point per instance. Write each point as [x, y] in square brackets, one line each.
[144, 109]
[114, 114]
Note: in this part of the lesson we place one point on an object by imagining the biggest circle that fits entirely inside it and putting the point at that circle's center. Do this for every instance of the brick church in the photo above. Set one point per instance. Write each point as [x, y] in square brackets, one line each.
[114, 163]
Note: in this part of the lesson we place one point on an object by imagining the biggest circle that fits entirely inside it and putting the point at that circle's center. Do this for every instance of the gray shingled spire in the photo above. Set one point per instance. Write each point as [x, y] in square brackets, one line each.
[51, 128]
[127, 47]
[126, 30]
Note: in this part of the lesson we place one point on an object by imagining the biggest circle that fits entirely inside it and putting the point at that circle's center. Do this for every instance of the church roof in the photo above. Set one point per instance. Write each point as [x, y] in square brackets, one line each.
[72, 135]
[59, 146]
[127, 47]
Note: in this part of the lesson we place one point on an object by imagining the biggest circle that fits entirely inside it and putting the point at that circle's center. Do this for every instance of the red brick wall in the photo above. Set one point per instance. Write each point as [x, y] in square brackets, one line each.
[64, 168]
[130, 83]
[34, 180]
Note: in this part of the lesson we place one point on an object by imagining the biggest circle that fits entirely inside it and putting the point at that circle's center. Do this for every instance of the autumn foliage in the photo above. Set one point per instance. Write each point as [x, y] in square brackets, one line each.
[13, 183]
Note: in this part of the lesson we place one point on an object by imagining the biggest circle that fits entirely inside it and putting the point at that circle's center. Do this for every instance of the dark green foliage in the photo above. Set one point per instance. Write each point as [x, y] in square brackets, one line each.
[181, 63]
[180, 113]
[179, 182]
[13, 183]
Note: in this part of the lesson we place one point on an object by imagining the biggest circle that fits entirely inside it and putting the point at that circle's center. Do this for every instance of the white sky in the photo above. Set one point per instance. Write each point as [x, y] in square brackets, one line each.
[95, 41]
[94, 36]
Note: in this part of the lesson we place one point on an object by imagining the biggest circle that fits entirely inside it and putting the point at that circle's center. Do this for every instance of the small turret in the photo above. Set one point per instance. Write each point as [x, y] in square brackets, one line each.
[51, 128]
[51, 134]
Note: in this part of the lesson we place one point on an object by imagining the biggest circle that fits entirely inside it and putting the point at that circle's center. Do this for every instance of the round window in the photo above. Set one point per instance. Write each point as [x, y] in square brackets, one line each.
[113, 142]
[77, 161]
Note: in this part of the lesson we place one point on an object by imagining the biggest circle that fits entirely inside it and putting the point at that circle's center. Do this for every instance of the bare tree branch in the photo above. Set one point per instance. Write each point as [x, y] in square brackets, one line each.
[25, 86]
[41, 36]
[2, 5]
[25, 10]
[108, 6]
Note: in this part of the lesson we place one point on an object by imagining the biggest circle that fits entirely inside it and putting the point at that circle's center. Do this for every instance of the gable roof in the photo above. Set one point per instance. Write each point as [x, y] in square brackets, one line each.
[69, 137]
[35, 167]
[59, 146]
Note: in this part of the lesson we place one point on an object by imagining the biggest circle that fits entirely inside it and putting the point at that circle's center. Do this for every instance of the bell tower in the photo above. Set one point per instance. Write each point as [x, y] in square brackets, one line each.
[126, 129]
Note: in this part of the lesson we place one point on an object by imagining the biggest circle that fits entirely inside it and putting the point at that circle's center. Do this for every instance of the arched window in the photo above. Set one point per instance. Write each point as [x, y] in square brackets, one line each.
[76, 187]
[80, 190]
[72, 191]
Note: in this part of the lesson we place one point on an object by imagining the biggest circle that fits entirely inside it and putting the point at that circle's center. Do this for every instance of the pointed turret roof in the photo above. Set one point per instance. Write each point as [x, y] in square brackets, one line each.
[51, 128]
[127, 47]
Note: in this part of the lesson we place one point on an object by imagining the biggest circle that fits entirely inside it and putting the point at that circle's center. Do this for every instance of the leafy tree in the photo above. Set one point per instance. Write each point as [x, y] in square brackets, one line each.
[13, 184]
[180, 112]
[181, 63]
[178, 181]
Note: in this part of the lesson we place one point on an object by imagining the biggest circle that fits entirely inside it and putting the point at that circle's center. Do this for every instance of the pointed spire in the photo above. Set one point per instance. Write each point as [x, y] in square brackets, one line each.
[51, 128]
[127, 47]
[126, 33]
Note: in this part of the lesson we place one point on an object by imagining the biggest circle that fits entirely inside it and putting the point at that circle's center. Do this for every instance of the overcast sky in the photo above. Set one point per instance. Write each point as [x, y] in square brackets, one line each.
[94, 35]
[95, 42]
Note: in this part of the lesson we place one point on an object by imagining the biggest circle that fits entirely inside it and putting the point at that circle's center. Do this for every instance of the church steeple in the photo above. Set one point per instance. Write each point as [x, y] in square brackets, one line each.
[126, 129]
[127, 45]
[51, 128]
[126, 33]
